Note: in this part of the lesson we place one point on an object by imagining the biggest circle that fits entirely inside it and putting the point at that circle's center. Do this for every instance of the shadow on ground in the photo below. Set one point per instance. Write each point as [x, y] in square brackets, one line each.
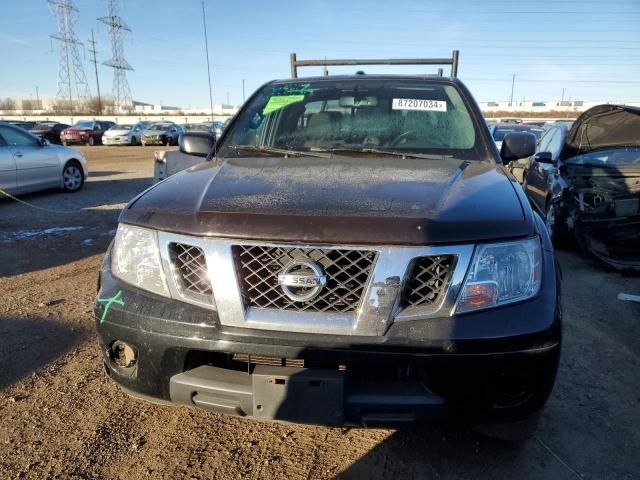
[31, 343]
[443, 451]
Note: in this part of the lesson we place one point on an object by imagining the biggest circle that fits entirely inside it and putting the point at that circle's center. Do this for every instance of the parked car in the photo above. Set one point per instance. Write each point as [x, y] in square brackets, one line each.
[585, 182]
[353, 253]
[49, 130]
[85, 132]
[161, 133]
[25, 125]
[124, 134]
[198, 127]
[499, 130]
[29, 163]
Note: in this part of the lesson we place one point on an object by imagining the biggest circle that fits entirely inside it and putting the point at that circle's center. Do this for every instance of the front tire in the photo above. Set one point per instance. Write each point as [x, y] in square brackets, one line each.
[133, 141]
[556, 223]
[513, 432]
[91, 142]
[72, 177]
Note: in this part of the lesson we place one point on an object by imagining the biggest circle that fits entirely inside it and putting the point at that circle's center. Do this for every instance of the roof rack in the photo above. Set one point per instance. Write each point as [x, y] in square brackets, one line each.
[453, 61]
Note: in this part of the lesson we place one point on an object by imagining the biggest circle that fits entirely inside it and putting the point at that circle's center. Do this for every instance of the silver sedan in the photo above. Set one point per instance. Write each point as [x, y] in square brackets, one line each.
[29, 164]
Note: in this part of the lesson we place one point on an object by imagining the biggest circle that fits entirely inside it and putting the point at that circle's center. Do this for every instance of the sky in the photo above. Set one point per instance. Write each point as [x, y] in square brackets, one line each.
[589, 48]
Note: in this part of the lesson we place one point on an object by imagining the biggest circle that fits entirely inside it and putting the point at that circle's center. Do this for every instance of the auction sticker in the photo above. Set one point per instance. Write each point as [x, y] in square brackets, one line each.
[419, 104]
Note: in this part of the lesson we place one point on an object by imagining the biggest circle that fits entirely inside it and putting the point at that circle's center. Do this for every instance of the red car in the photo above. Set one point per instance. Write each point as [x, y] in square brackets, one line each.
[86, 132]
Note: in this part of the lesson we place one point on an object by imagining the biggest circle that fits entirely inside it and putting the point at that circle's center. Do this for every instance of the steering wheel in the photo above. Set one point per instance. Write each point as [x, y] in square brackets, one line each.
[401, 138]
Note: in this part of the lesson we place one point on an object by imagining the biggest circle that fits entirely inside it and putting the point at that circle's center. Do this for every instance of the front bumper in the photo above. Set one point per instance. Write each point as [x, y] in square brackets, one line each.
[155, 140]
[75, 140]
[491, 366]
[116, 141]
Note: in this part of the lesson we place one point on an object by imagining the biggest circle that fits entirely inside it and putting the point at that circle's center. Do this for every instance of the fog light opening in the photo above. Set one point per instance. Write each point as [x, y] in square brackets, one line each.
[512, 391]
[123, 354]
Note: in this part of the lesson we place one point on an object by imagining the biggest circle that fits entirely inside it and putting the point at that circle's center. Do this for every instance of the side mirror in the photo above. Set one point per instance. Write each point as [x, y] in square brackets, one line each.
[517, 145]
[543, 157]
[196, 143]
[44, 142]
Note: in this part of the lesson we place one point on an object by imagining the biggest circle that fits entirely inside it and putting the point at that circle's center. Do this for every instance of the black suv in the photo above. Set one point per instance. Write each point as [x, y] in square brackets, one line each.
[352, 252]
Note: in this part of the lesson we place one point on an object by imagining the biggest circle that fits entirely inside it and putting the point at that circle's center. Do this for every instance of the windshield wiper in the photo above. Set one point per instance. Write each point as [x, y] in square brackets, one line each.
[376, 151]
[275, 151]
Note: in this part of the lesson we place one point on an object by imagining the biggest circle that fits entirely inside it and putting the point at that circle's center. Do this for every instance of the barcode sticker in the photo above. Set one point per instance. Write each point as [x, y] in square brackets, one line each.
[419, 104]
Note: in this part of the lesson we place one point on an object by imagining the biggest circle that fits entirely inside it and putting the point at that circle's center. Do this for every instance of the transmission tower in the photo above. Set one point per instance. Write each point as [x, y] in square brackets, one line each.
[117, 30]
[72, 82]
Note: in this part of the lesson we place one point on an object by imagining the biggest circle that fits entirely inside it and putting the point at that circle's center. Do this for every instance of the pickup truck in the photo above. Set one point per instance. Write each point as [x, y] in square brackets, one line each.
[351, 252]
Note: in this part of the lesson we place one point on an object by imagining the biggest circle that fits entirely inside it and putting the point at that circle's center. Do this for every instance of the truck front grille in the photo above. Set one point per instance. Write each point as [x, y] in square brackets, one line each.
[428, 280]
[190, 269]
[347, 273]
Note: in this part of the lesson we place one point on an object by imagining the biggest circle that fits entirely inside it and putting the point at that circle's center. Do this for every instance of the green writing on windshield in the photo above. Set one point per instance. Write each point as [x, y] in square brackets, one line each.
[276, 103]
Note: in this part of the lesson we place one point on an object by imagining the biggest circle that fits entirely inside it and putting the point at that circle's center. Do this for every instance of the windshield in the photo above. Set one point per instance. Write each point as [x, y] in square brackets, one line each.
[405, 116]
[608, 157]
[500, 132]
[122, 127]
[84, 124]
[159, 126]
[197, 127]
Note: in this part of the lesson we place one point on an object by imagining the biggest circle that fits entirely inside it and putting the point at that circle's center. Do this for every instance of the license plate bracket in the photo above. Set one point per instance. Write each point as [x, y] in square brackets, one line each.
[299, 395]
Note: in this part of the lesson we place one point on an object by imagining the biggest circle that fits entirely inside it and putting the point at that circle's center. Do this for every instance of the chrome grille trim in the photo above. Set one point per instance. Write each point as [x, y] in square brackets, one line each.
[381, 300]
[348, 273]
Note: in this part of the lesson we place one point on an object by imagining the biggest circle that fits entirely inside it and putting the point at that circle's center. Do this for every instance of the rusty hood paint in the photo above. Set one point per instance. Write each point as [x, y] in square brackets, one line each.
[362, 200]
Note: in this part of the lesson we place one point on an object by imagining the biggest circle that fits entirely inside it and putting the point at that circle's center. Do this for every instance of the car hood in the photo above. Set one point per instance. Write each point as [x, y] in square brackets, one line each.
[361, 200]
[115, 133]
[603, 126]
[154, 132]
[74, 129]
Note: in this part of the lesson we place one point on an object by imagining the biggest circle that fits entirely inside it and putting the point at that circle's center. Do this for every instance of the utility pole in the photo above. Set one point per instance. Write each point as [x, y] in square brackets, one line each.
[513, 82]
[37, 99]
[562, 99]
[243, 91]
[95, 68]
[227, 98]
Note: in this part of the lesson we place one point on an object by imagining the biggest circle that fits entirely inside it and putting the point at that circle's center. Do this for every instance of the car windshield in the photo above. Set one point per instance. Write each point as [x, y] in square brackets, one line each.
[608, 157]
[376, 115]
[159, 126]
[122, 127]
[500, 132]
[197, 127]
[83, 124]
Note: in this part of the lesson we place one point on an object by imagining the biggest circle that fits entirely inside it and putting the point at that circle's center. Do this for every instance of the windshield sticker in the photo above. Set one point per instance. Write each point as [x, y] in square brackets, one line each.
[276, 103]
[419, 104]
[293, 89]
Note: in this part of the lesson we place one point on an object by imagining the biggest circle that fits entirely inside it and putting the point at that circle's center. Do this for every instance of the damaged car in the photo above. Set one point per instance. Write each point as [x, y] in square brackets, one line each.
[585, 181]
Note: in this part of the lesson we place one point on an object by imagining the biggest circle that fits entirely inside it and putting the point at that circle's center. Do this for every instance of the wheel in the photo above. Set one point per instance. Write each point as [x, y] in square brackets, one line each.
[143, 144]
[167, 143]
[91, 142]
[133, 141]
[72, 177]
[65, 143]
[556, 223]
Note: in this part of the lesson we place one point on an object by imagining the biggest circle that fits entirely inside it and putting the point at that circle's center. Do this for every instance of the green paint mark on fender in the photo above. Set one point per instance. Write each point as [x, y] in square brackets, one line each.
[108, 302]
[276, 103]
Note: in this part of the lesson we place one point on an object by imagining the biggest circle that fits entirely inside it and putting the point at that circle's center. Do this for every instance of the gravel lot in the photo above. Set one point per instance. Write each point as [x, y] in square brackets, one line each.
[61, 417]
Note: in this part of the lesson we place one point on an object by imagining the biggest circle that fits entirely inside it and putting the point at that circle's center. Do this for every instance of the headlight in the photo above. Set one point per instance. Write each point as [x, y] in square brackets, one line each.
[135, 259]
[502, 273]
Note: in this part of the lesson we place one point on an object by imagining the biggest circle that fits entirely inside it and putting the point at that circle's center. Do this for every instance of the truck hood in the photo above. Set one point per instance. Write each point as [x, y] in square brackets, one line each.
[364, 200]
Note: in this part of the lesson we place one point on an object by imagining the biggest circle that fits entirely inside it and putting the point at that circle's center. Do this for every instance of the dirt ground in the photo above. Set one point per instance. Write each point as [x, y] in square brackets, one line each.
[61, 417]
